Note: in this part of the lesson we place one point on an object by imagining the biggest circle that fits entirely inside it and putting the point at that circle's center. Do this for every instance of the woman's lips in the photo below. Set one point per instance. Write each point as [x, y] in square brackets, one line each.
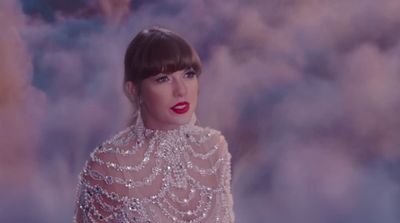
[181, 107]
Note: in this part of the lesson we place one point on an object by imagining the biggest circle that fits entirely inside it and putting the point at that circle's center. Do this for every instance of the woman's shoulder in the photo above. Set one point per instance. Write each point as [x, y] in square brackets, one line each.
[207, 133]
[108, 163]
[208, 139]
[120, 143]
[106, 157]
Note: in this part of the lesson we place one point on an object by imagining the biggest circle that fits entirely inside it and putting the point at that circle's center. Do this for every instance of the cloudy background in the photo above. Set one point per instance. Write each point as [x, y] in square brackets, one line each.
[306, 93]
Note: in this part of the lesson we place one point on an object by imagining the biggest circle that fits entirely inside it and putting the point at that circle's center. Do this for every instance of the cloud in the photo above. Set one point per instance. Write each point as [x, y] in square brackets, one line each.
[21, 105]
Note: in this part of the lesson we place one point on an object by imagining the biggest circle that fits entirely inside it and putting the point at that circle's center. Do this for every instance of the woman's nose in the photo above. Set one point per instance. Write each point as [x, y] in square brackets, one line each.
[180, 88]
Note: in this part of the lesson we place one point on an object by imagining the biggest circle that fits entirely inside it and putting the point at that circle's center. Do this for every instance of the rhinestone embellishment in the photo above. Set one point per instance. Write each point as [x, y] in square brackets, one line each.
[175, 165]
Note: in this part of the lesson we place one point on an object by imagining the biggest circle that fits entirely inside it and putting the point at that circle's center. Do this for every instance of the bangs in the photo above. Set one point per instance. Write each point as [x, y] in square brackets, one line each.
[161, 52]
[168, 56]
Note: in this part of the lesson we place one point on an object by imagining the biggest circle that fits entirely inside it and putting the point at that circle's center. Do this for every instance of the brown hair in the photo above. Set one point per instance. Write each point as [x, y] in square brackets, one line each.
[158, 50]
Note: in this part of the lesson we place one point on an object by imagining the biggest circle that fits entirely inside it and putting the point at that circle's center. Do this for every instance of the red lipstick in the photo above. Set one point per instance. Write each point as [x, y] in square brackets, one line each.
[181, 107]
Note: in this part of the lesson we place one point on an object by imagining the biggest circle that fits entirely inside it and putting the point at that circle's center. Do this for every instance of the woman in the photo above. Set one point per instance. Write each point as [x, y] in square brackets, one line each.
[163, 168]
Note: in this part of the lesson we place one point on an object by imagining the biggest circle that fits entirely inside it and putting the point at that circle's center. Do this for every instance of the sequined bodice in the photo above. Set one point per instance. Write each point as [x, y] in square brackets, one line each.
[143, 175]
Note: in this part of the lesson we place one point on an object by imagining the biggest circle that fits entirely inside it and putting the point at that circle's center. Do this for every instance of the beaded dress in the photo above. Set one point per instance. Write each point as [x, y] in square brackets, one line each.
[144, 175]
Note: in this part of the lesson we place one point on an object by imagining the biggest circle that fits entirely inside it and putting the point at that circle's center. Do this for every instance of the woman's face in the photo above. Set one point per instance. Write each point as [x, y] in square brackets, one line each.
[169, 100]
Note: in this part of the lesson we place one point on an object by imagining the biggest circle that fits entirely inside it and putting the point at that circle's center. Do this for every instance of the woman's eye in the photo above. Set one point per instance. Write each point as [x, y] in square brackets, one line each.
[190, 74]
[162, 79]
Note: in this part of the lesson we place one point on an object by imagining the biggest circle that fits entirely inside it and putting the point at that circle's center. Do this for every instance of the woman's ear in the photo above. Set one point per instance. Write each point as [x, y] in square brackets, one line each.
[130, 91]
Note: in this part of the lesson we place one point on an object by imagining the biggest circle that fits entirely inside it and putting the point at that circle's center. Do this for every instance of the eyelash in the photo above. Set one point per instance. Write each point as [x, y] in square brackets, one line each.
[162, 79]
[188, 74]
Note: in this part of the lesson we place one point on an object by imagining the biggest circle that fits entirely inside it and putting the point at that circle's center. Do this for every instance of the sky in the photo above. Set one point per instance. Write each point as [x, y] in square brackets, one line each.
[306, 93]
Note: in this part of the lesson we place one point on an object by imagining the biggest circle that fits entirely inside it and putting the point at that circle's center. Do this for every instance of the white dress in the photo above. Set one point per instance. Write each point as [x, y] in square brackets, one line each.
[143, 175]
